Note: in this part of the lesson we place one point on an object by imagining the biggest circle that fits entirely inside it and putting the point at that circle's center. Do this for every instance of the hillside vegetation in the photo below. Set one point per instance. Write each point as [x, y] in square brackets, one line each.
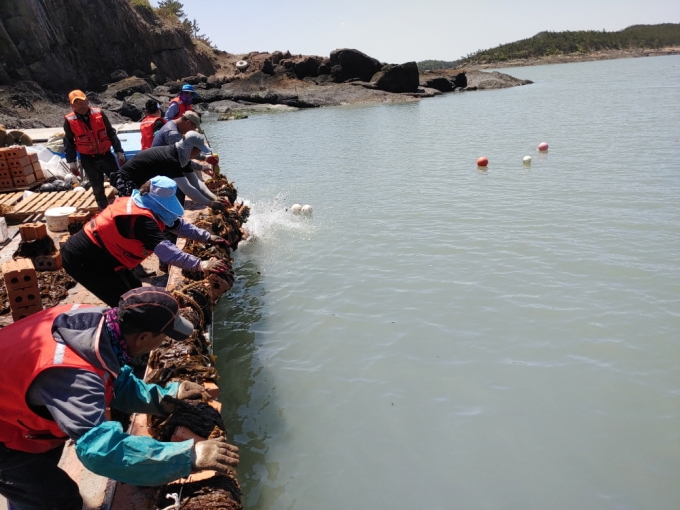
[547, 44]
[435, 65]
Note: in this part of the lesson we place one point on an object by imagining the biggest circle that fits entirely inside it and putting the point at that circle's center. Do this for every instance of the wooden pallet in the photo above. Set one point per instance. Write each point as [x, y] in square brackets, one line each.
[40, 202]
[11, 199]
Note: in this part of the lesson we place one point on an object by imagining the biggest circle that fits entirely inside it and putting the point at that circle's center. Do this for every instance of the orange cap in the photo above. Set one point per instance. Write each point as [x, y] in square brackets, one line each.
[76, 94]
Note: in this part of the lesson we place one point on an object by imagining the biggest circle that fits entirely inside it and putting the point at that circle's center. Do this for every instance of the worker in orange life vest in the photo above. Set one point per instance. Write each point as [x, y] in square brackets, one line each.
[62, 368]
[152, 123]
[182, 103]
[89, 132]
[103, 254]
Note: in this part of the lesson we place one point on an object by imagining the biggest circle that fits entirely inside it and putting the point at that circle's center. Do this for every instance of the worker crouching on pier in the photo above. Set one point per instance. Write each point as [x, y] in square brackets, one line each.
[102, 255]
[62, 368]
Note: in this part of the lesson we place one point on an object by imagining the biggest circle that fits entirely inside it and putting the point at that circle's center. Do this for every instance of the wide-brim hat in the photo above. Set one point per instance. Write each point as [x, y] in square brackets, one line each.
[190, 88]
[161, 200]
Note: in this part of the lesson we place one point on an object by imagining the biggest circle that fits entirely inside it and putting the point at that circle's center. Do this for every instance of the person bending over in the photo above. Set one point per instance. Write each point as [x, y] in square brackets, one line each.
[62, 368]
[172, 161]
[102, 255]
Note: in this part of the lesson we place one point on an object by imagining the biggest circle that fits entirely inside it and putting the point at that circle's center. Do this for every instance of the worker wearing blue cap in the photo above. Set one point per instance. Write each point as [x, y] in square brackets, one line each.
[182, 103]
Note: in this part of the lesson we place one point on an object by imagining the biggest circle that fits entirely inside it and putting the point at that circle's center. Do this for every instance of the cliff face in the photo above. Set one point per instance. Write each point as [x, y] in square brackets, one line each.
[66, 44]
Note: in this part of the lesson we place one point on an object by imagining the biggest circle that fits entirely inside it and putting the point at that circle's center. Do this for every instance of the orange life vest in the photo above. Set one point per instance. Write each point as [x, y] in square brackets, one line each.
[146, 128]
[103, 232]
[27, 348]
[183, 107]
[91, 140]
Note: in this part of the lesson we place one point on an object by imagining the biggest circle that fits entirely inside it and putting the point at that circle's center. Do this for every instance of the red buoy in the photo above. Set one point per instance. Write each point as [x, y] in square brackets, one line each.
[482, 161]
[543, 146]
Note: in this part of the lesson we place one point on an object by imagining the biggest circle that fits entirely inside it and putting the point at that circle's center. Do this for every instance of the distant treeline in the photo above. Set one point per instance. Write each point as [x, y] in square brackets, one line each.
[563, 43]
[432, 65]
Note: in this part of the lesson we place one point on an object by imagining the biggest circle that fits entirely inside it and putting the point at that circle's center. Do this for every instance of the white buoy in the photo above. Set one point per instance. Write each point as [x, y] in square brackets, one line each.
[527, 160]
[242, 65]
[296, 208]
[307, 210]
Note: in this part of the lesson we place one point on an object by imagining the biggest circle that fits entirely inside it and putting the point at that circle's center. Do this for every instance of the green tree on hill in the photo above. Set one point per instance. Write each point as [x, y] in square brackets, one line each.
[581, 42]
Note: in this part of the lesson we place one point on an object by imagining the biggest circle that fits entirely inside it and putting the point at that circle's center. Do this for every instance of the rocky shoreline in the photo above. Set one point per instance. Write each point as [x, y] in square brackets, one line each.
[273, 82]
[579, 57]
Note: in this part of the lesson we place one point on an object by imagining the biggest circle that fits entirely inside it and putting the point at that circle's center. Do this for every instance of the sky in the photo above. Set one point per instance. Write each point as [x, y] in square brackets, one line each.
[399, 31]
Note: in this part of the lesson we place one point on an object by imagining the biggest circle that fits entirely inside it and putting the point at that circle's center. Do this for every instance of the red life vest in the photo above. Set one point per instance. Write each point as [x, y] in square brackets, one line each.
[27, 348]
[103, 232]
[183, 107]
[146, 128]
[91, 140]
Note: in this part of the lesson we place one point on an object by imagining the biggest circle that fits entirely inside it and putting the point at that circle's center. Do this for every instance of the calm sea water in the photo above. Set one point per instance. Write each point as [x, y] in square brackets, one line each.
[440, 337]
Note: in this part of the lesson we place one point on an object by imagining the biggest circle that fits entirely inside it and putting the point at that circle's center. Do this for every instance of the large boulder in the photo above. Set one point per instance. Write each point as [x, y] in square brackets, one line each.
[438, 83]
[268, 67]
[131, 111]
[127, 87]
[346, 64]
[118, 75]
[302, 66]
[398, 78]
[459, 81]
[70, 44]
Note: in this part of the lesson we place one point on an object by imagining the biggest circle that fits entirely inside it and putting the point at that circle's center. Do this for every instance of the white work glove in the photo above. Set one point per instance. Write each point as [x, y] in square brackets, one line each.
[73, 167]
[191, 391]
[214, 454]
[213, 266]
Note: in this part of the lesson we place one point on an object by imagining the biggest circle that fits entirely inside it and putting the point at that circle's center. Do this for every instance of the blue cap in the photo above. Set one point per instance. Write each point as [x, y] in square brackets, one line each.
[189, 88]
[161, 199]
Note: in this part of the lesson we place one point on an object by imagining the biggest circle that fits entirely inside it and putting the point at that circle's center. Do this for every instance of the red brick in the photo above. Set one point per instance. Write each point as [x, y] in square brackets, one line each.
[19, 274]
[6, 182]
[33, 157]
[31, 231]
[5, 174]
[19, 162]
[15, 152]
[216, 405]
[21, 298]
[48, 262]
[79, 217]
[20, 313]
[21, 181]
[182, 434]
[212, 389]
[3, 164]
[22, 171]
[218, 286]
[63, 239]
[3, 153]
[39, 175]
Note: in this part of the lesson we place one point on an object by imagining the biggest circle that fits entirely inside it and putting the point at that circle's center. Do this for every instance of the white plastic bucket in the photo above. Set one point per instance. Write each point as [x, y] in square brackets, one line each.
[57, 218]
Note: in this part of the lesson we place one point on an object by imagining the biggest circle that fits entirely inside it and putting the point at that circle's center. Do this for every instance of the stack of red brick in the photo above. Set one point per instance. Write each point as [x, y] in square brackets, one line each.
[34, 232]
[18, 168]
[23, 292]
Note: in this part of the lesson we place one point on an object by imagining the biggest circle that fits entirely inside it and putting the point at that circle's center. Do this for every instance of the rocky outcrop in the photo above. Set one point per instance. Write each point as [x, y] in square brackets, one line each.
[460, 81]
[398, 78]
[66, 44]
[348, 64]
[438, 83]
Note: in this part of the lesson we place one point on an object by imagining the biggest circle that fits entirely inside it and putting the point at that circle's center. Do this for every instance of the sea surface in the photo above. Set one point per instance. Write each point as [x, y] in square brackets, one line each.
[438, 336]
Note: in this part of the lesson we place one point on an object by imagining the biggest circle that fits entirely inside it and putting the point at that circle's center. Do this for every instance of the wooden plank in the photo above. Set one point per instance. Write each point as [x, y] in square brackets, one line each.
[45, 205]
[80, 200]
[28, 203]
[11, 198]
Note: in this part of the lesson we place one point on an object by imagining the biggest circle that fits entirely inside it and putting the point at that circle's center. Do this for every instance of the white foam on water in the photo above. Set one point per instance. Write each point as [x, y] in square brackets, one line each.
[271, 223]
